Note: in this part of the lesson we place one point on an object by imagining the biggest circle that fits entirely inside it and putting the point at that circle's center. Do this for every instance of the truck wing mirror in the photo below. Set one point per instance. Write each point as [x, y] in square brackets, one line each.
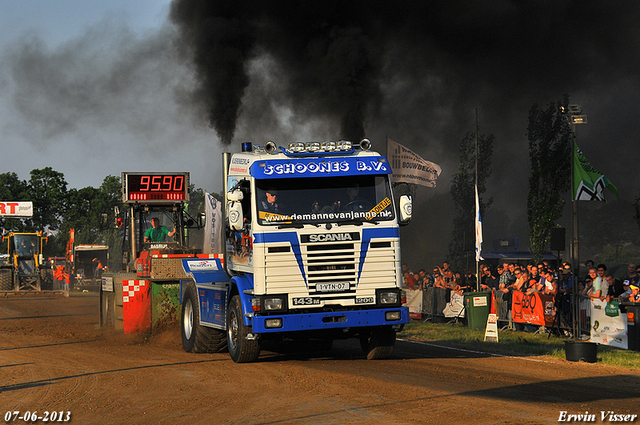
[234, 208]
[406, 209]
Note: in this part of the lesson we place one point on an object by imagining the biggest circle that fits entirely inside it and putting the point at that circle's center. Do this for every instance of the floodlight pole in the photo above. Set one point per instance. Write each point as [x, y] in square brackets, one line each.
[575, 117]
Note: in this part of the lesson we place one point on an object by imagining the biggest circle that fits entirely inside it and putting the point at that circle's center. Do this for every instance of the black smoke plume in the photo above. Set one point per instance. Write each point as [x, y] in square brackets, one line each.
[332, 63]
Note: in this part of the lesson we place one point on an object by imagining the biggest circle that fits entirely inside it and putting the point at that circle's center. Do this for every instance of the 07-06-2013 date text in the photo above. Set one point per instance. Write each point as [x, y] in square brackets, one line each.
[33, 417]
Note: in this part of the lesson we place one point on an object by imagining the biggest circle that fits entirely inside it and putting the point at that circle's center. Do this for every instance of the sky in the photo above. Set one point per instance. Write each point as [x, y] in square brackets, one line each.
[97, 88]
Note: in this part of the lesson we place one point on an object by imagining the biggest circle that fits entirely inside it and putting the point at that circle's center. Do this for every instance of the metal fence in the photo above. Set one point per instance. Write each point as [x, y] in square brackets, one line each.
[434, 301]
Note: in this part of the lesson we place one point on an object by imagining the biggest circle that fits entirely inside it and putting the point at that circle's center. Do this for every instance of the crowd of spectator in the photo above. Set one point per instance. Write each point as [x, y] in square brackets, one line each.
[542, 278]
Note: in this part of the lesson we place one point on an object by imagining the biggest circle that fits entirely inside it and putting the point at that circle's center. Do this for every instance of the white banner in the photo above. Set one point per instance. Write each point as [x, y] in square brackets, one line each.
[414, 302]
[213, 225]
[16, 209]
[455, 306]
[409, 167]
[608, 330]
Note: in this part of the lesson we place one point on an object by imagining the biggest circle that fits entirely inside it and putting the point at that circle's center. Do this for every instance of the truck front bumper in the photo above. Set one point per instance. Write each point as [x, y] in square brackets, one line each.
[329, 320]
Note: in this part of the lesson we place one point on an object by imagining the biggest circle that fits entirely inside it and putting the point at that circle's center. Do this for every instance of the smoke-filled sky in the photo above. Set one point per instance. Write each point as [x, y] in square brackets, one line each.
[97, 88]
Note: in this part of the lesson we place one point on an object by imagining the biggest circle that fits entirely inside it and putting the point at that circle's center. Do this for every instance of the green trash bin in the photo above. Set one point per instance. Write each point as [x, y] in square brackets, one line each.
[477, 306]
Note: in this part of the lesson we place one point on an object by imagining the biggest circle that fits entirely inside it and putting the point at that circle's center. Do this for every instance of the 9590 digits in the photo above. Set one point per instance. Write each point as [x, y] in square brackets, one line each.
[33, 417]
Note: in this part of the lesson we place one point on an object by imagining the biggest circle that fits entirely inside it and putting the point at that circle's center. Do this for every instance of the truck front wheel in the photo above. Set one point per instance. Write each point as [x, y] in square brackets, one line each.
[377, 343]
[241, 349]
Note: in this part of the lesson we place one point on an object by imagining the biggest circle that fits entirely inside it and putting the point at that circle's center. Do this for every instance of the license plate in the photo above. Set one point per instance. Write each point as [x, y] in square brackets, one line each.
[332, 287]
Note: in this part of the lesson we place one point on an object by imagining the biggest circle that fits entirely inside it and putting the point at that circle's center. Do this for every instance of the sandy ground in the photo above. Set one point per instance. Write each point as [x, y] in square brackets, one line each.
[53, 357]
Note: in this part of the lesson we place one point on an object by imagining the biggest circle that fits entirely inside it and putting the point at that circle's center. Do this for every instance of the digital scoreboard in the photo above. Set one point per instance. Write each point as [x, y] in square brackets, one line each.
[155, 188]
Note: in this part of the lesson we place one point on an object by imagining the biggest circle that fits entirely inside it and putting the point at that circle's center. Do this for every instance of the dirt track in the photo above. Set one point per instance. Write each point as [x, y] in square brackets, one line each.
[53, 357]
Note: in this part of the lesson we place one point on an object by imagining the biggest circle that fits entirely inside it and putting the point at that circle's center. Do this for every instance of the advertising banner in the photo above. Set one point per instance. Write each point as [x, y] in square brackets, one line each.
[535, 308]
[608, 325]
[16, 209]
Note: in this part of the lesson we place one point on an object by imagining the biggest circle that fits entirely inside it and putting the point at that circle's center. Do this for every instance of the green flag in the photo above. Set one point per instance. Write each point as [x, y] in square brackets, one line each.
[588, 183]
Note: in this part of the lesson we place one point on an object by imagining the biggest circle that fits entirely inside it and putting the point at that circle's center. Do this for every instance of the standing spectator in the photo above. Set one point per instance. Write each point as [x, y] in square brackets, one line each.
[505, 277]
[522, 281]
[604, 285]
[488, 282]
[534, 273]
[421, 277]
[460, 280]
[409, 282]
[565, 287]
[587, 287]
[550, 283]
[615, 287]
[445, 266]
[512, 273]
[588, 264]
[632, 274]
[596, 284]
[448, 277]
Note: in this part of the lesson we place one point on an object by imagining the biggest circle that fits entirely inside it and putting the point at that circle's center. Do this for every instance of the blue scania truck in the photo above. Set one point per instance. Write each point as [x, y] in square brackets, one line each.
[312, 253]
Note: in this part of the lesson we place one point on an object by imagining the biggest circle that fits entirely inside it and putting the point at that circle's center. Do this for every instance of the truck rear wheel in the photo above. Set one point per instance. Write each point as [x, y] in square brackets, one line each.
[241, 349]
[378, 343]
[195, 337]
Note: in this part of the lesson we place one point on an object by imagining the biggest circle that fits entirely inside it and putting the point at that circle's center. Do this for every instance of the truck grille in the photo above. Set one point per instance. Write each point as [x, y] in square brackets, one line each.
[331, 263]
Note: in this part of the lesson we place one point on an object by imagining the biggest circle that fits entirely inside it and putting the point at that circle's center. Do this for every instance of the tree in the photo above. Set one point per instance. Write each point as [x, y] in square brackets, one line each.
[550, 147]
[462, 245]
[47, 189]
[84, 212]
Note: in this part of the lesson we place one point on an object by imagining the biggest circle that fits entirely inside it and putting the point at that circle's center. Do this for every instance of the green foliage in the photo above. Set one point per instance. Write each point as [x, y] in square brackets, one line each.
[47, 190]
[550, 148]
[462, 245]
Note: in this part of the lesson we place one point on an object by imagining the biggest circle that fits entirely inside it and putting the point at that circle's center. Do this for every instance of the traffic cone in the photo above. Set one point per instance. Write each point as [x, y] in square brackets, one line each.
[493, 302]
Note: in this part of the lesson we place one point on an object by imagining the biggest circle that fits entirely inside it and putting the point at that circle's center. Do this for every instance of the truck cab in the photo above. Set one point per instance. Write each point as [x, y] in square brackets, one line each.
[312, 247]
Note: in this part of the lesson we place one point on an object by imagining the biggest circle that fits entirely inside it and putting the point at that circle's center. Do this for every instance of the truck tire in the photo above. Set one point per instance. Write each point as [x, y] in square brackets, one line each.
[6, 280]
[241, 349]
[378, 343]
[195, 337]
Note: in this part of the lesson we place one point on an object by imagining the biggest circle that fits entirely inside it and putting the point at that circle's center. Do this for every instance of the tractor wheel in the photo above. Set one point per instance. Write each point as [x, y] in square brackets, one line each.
[6, 280]
[46, 279]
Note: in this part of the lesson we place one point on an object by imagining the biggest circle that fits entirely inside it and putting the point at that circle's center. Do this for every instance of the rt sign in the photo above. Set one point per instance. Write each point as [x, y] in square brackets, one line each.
[16, 209]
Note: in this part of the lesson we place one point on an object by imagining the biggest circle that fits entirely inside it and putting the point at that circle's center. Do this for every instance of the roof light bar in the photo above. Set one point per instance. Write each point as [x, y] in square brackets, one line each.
[319, 147]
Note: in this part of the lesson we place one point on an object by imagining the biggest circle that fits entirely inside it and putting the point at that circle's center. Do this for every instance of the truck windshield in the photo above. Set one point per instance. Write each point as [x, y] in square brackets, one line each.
[358, 199]
[26, 245]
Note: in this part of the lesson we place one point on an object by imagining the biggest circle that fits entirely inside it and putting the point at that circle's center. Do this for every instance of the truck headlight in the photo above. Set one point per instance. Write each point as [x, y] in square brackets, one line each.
[271, 304]
[388, 297]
